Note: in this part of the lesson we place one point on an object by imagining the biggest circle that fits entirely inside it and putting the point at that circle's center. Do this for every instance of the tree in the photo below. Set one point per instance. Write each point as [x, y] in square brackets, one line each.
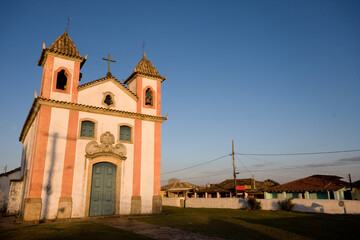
[274, 183]
[173, 180]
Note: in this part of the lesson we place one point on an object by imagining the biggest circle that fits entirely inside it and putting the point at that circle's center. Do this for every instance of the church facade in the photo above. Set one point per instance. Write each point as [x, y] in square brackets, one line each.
[92, 149]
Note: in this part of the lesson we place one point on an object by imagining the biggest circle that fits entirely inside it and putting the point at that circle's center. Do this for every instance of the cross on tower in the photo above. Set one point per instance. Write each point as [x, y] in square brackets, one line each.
[68, 24]
[143, 47]
[109, 60]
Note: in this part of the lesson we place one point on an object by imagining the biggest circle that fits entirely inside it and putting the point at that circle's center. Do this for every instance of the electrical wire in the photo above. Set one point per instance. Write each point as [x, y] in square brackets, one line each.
[197, 165]
[297, 154]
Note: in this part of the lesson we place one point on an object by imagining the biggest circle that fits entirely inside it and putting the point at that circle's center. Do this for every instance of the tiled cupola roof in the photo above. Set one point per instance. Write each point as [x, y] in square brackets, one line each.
[64, 46]
[145, 67]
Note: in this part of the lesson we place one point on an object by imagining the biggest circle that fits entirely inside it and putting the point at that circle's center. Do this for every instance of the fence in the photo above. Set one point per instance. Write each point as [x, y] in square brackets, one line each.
[300, 205]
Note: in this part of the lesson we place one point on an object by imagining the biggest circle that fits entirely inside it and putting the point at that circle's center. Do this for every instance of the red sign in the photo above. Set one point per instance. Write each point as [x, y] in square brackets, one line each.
[241, 188]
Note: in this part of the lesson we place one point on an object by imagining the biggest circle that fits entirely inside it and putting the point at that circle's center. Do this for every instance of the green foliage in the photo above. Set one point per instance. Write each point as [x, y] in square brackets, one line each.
[286, 205]
[253, 204]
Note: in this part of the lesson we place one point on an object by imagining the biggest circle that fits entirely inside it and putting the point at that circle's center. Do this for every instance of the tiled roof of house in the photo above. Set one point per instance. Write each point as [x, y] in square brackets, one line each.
[63, 45]
[11, 171]
[146, 68]
[312, 183]
[228, 185]
[178, 186]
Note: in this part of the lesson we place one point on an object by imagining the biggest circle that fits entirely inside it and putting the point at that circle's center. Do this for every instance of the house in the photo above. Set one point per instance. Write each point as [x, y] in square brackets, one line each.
[313, 187]
[95, 148]
[245, 188]
[179, 189]
[5, 180]
[355, 191]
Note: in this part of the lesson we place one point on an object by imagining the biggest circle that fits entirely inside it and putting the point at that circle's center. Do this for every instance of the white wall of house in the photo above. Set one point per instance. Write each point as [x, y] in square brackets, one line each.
[5, 186]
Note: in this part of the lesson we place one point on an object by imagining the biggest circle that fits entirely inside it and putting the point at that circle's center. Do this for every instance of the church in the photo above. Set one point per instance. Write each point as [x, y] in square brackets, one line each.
[91, 149]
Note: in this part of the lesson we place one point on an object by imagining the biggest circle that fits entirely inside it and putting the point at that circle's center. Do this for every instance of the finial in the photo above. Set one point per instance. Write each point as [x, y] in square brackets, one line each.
[35, 94]
[143, 47]
[44, 47]
[86, 56]
[67, 27]
[167, 116]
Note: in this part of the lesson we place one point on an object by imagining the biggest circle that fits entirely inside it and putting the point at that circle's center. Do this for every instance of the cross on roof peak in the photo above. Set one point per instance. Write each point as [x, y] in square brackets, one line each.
[109, 60]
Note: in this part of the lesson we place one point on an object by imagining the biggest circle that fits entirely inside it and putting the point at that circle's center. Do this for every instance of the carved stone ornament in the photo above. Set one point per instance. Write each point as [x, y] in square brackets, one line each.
[105, 148]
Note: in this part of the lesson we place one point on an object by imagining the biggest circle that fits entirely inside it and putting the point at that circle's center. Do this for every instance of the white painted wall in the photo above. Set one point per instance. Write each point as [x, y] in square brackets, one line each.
[54, 162]
[147, 166]
[300, 205]
[5, 187]
[94, 95]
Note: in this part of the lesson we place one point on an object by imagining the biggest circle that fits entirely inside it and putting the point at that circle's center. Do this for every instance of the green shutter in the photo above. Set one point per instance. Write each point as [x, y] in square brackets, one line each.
[87, 129]
[125, 133]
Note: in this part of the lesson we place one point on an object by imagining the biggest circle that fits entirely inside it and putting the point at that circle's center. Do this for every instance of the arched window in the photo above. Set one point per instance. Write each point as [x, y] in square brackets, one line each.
[149, 97]
[87, 129]
[61, 81]
[125, 133]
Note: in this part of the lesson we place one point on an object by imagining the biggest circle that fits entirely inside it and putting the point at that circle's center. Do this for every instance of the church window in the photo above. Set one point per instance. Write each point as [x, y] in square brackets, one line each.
[87, 129]
[61, 80]
[149, 97]
[125, 133]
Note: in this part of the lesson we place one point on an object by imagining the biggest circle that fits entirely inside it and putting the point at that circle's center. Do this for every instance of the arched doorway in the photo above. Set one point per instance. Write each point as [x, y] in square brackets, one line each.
[102, 196]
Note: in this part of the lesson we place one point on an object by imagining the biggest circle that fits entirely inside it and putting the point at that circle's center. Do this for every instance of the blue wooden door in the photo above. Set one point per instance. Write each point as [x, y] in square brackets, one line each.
[102, 199]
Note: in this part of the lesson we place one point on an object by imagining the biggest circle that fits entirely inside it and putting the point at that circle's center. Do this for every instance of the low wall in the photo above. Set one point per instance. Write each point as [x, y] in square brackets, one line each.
[173, 202]
[232, 203]
[300, 205]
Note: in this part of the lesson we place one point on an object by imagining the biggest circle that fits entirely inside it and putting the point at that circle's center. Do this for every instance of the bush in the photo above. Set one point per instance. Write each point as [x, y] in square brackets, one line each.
[286, 205]
[253, 204]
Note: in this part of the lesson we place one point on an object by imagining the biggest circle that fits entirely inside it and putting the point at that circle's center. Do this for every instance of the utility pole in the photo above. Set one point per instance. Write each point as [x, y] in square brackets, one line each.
[233, 155]
[350, 182]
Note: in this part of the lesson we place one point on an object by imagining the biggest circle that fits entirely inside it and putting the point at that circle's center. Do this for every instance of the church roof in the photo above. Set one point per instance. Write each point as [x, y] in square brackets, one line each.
[64, 46]
[145, 67]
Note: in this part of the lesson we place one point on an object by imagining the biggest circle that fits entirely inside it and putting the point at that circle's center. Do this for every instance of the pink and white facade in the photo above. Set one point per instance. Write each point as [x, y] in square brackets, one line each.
[91, 149]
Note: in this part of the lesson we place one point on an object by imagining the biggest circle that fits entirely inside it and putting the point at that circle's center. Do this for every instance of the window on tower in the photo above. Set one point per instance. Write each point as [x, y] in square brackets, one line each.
[61, 80]
[149, 97]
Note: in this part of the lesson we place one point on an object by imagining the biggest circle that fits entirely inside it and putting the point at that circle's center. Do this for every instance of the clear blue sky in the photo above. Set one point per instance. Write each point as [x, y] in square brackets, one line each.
[275, 76]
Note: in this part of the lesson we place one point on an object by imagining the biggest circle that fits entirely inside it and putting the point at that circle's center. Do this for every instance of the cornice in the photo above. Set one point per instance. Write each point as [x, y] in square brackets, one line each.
[135, 74]
[83, 108]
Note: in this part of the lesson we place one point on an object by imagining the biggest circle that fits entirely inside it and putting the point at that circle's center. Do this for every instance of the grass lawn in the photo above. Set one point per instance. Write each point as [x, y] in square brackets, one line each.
[244, 224]
[66, 230]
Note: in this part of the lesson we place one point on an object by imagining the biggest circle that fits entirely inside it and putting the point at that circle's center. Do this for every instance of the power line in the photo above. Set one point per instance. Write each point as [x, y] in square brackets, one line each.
[245, 167]
[297, 154]
[197, 165]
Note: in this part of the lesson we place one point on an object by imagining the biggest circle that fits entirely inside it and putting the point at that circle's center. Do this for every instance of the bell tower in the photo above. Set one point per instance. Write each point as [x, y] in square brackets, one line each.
[61, 74]
[145, 82]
